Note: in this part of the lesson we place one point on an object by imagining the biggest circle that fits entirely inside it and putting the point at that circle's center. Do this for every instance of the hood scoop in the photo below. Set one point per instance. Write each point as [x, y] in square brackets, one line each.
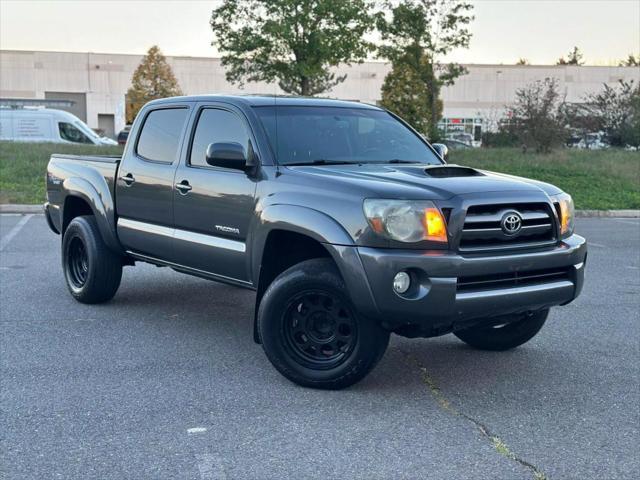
[451, 171]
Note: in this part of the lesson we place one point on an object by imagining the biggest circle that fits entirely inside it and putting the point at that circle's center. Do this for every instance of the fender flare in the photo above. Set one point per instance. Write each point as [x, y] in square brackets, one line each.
[294, 218]
[101, 203]
[327, 231]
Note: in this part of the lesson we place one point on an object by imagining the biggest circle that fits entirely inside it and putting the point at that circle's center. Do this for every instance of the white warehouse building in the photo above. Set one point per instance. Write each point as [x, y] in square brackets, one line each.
[94, 84]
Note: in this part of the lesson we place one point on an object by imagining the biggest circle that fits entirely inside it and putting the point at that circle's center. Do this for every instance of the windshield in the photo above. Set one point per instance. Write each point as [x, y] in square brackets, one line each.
[327, 135]
[85, 129]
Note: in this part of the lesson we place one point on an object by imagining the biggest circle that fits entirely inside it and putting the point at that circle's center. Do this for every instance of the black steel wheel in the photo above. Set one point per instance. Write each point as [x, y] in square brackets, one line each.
[77, 263]
[319, 328]
[92, 271]
[312, 333]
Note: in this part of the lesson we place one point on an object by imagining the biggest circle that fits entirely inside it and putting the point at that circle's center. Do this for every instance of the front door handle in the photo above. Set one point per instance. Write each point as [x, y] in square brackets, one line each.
[128, 179]
[183, 187]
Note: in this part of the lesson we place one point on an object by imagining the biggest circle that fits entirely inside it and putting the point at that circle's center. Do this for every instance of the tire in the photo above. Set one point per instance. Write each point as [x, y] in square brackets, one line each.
[506, 336]
[91, 270]
[311, 332]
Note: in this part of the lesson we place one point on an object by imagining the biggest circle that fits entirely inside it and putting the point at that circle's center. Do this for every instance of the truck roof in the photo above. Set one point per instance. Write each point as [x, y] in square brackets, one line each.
[267, 100]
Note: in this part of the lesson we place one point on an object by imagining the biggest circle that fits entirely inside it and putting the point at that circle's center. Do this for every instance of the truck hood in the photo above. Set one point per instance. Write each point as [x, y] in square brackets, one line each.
[436, 181]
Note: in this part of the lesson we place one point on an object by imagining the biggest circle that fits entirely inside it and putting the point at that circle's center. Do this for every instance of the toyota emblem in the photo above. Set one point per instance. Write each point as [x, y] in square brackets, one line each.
[511, 223]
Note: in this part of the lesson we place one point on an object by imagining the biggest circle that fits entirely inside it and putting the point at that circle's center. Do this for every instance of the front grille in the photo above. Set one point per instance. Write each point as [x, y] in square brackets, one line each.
[483, 227]
[511, 279]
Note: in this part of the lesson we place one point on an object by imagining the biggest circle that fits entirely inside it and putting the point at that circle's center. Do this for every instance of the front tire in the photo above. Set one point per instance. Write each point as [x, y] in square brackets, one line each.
[312, 333]
[91, 270]
[506, 336]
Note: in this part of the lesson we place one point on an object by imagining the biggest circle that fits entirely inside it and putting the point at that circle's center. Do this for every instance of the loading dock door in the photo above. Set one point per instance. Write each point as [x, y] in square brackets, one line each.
[106, 123]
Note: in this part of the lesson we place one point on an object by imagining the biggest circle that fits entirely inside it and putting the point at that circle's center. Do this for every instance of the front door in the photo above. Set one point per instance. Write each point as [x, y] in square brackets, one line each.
[213, 206]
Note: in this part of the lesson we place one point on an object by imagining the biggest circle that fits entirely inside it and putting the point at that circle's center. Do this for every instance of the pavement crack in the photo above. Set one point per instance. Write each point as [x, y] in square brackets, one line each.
[498, 443]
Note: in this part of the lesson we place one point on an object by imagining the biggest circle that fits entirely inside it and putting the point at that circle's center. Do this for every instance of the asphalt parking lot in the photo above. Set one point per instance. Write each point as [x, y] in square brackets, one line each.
[165, 382]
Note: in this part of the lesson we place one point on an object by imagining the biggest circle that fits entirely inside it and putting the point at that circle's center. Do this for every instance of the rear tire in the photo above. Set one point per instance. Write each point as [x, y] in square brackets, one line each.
[91, 270]
[311, 332]
[504, 337]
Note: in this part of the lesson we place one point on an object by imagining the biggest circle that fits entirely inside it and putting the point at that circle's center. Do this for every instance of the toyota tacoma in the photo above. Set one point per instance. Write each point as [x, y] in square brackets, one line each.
[344, 220]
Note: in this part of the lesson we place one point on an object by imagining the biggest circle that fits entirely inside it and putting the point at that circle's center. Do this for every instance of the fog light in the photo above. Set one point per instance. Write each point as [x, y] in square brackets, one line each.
[401, 282]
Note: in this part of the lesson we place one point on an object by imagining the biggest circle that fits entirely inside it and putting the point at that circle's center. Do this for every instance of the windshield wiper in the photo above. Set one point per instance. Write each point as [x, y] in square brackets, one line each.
[319, 161]
[393, 160]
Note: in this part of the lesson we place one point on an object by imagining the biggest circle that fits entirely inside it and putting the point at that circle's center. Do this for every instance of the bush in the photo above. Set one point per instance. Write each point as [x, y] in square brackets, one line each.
[504, 137]
[537, 116]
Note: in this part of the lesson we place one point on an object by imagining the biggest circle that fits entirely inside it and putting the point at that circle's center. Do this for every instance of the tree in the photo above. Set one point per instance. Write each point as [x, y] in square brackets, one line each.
[574, 58]
[616, 111]
[293, 42]
[405, 91]
[414, 34]
[152, 79]
[631, 61]
[523, 61]
[537, 116]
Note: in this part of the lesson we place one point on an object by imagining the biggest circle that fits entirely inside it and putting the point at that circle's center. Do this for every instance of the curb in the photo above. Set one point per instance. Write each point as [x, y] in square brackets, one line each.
[608, 213]
[14, 208]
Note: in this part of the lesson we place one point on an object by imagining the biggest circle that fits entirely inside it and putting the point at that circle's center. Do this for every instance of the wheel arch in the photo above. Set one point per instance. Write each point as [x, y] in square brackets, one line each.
[82, 198]
[290, 234]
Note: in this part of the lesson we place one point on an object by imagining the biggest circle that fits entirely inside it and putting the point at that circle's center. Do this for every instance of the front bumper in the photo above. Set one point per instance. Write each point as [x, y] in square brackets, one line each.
[441, 300]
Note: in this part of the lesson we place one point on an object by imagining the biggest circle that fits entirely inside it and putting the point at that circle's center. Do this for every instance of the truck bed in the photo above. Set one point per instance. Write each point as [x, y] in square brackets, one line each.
[89, 158]
[90, 177]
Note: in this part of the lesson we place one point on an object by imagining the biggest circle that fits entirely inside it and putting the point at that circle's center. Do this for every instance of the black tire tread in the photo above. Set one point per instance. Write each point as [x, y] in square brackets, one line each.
[105, 265]
[510, 336]
[322, 271]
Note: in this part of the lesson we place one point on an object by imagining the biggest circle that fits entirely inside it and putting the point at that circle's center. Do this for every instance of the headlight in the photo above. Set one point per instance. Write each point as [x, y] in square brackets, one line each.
[406, 220]
[566, 213]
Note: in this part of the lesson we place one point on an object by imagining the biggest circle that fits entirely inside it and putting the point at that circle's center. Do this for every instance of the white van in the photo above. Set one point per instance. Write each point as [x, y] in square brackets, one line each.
[47, 125]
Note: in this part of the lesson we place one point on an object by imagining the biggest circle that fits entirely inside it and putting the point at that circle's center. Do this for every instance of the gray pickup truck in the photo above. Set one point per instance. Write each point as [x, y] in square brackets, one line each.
[342, 218]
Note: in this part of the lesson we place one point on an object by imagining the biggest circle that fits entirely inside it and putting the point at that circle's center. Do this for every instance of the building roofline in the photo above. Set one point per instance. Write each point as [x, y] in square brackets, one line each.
[196, 57]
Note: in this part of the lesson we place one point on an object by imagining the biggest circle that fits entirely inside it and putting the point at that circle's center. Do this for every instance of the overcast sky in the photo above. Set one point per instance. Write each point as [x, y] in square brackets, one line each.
[504, 30]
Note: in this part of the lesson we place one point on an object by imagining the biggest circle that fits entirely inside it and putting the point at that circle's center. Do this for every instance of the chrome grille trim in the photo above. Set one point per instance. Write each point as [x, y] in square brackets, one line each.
[482, 230]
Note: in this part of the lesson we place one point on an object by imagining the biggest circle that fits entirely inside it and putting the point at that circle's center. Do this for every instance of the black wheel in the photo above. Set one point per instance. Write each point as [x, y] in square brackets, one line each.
[505, 336]
[92, 271]
[311, 332]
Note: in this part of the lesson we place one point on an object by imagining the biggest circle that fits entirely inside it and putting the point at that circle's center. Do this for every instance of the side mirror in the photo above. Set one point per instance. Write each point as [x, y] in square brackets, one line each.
[442, 150]
[226, 155]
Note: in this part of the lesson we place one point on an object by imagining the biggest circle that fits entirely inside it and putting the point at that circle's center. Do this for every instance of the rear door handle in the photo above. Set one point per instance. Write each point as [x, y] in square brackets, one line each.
[128, 179]
[183, 187]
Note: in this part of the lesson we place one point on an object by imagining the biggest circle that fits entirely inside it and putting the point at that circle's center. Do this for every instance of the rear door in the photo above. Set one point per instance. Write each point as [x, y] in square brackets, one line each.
[213, 206]
[144, 187]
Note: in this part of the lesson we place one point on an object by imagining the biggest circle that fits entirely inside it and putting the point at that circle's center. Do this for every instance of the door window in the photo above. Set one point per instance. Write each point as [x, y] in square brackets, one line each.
[216, 126]
[72, 134]
[160, 136]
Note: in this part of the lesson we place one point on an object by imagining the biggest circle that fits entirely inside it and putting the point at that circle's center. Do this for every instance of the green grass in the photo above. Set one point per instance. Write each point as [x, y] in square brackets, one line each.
[23, 167]
[599, 180]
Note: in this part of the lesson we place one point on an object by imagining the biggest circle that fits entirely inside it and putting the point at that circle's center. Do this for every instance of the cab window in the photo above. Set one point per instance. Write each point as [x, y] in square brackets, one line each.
[216, 126]
[71, 134]
[160, 136]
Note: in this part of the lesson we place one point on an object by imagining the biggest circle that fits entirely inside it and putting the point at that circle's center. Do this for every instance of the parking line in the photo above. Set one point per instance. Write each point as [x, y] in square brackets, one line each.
[14, 231]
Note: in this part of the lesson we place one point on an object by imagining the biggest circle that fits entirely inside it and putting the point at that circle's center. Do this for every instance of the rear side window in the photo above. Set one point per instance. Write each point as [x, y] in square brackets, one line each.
[214, 126]
[160, 136]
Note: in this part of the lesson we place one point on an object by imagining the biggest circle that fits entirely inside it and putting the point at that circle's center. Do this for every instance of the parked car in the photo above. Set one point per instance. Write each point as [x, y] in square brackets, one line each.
[47, 125]
[590, 141]
[346, 223]
[123, 135]
[461, 137]
[456, 144]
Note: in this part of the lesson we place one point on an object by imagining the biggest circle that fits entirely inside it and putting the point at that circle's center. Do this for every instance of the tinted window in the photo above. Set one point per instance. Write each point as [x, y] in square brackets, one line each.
[215, 126]
[71, 134]
[353, 135]
[160, 136]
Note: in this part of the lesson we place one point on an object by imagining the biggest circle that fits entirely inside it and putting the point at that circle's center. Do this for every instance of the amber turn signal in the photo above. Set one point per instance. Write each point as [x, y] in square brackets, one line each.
[435, 225]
